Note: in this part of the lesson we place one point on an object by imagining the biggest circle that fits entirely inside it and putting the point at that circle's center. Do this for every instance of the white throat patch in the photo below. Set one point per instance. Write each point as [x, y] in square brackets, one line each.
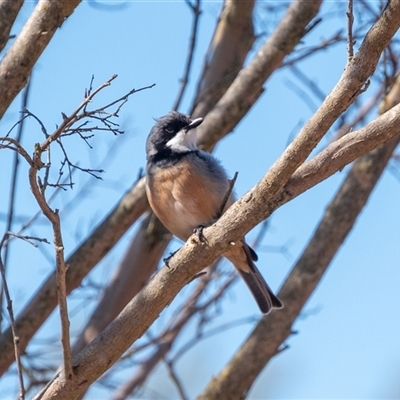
[183, 141]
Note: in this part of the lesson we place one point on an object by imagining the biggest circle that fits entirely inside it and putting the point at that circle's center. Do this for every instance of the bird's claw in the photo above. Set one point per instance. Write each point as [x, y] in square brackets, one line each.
[167, 259]
[199, 233]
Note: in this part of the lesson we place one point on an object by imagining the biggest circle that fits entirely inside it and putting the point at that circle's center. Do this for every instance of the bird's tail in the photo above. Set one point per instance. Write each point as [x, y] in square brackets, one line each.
[242, 256]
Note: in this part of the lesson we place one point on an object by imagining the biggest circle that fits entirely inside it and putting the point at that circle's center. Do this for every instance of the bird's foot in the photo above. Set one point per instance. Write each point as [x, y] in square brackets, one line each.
[199, 233]
[167, 259]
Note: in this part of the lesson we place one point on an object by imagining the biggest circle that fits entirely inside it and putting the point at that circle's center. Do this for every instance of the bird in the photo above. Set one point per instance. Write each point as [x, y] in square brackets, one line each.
[186, 188]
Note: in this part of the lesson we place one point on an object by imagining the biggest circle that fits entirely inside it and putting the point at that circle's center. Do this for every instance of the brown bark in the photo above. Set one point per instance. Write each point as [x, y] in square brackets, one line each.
[272, 330]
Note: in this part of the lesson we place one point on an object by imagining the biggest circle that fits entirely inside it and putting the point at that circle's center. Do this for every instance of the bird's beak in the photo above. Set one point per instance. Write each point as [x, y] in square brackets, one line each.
[194, 124]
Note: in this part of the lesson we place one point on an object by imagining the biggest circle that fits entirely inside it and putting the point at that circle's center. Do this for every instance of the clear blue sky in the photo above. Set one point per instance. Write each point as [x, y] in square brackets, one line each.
[348, 344]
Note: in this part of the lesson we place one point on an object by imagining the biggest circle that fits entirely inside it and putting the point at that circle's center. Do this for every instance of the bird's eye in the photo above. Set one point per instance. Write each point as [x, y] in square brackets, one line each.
[169, 129]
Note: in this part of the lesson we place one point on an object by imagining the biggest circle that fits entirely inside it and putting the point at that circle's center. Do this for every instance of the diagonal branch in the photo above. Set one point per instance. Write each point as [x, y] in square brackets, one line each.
[184, 81]
[339, 218]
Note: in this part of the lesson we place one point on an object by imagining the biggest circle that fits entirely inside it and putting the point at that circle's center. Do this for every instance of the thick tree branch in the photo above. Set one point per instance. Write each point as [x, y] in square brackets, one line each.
[339, 218]
[242, 93]
[17, 64]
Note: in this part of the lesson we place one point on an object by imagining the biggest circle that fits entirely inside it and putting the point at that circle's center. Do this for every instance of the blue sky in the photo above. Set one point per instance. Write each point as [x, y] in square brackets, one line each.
[347, 345]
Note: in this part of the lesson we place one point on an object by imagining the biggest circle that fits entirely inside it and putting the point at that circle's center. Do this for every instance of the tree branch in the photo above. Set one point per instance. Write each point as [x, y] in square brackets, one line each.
[265, 340]
[14, 179]
[17, 349]
[185, 79]
[61, 268]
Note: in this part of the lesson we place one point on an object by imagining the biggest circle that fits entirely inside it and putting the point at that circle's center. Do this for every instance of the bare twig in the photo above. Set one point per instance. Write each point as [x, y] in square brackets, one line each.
[227, 195]
[38, 189]
[14, 145]
[54, 218]
[30, 239]
[176, 380]
[350, 21]
[303, 53]
[17, 351]
[185, 79]
[14, 178]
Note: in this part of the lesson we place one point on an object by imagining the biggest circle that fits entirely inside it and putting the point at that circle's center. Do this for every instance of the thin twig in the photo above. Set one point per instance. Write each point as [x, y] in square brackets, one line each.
[28, 239]
[176, 380]
[305, 52]
[15, 146]
[123, 98]
[17, 352]
[14, 179]
[38, 189]
[184, 81]
[227, 195]
[54, 218]
[350, 21]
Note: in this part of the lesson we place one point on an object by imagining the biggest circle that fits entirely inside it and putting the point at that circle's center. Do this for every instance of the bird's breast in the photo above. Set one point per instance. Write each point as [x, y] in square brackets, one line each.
[185, 195]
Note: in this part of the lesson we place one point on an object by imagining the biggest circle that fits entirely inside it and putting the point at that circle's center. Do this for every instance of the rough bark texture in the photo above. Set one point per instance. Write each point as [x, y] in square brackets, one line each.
[338, 220]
